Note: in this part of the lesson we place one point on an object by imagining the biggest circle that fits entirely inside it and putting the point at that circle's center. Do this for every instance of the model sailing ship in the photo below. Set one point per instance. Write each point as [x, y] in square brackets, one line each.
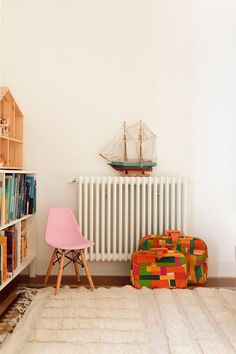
[133, 151]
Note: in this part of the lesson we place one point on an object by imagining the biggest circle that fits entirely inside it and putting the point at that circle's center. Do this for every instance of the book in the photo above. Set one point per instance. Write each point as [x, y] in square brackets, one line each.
[7, 190]
[15, 235]
[14, 198]
[1, 264]
[24, 234]
[1, 204]
[9, 198]
[3, 242]
[17, 197]
[9, 233]
[12, 189]
[31, 194]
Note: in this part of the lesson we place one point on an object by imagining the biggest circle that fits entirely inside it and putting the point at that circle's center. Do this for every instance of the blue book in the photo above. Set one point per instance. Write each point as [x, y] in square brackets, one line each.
[17, 196]
[12, 197]
[31, 194]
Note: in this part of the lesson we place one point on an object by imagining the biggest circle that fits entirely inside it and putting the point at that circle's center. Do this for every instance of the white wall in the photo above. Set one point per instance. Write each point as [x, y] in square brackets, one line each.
[79, 68]
[214, 117]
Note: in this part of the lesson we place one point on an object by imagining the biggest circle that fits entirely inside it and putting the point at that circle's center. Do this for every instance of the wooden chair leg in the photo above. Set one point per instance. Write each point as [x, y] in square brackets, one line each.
[50, 267]
[76, 266]
[60, 269]
[86, 269]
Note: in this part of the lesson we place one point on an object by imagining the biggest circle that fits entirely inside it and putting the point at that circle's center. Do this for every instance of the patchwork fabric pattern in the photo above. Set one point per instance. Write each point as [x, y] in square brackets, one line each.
[158, 268]
[193, 248]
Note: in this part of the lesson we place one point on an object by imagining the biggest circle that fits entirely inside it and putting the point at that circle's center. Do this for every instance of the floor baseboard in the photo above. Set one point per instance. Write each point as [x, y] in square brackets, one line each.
[112, 280]
[221, 282]
[99, 280]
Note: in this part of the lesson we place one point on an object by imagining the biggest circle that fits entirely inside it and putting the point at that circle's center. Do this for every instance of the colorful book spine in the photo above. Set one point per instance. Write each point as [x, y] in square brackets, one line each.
[15, 235]
[14, 199]
[3, 243]
[9, 233]
[31, 197]
[9, 198]
[1, 264]
[7, 189]
[24, 235]
[1, 204]
[11, 216]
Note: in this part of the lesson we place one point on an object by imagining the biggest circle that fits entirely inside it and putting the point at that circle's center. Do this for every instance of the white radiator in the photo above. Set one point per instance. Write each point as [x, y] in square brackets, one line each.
[115, 212]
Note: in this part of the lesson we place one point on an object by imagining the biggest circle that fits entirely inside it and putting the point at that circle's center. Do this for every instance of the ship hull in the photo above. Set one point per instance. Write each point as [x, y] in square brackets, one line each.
[139, 165]
[130, 169]
[139, 168]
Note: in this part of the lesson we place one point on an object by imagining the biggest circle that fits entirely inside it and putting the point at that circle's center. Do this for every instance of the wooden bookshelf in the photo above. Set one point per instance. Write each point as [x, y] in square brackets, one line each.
[11, 131]
[17, 209]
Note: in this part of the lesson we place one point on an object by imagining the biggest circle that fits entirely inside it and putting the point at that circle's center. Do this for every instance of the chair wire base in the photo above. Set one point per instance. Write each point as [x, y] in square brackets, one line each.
[74, 259]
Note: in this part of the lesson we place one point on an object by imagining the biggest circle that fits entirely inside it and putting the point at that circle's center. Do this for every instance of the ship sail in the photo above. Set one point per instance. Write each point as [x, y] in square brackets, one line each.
[120, 148]
[145, 142]
[133, 149]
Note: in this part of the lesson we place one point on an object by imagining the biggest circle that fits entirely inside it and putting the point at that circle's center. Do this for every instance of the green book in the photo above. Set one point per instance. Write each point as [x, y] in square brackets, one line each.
[9, 198]
[7, 189]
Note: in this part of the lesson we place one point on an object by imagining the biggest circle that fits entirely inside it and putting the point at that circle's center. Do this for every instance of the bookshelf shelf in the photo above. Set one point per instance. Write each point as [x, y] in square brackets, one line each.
[11, 131]
[17, 233]
[11, 139]
[13, 222]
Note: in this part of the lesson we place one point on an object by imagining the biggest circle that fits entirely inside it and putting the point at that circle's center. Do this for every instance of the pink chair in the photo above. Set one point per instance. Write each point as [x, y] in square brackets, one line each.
[63, 233]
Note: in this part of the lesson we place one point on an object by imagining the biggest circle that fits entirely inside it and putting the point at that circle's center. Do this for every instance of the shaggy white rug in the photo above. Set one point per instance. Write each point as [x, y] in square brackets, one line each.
[127, 321]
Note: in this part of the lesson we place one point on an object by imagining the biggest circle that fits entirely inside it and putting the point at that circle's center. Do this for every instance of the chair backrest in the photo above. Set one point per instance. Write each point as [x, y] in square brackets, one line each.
[62, 227]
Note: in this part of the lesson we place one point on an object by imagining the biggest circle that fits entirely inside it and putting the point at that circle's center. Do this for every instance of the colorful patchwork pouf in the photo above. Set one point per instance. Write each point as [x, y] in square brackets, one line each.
[158, 268]
[193, 248]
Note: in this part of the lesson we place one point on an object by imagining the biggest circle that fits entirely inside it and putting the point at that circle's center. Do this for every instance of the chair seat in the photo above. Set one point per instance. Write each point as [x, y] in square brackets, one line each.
[72, 246]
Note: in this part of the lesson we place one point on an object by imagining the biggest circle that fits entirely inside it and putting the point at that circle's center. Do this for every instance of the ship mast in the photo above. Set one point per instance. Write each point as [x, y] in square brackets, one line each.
[140, 141]
[125, 141]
